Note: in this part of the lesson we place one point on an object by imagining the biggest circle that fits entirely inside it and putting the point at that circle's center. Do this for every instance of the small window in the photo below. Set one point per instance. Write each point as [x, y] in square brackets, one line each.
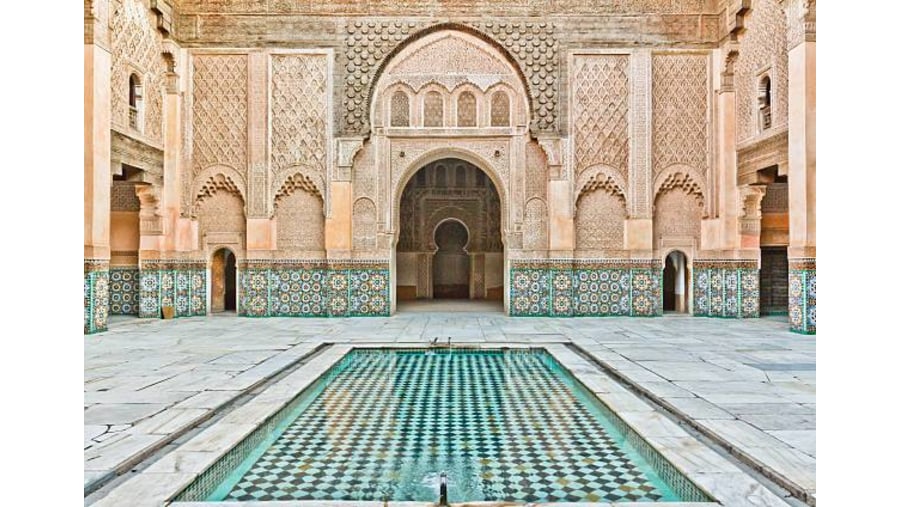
[500, 110]
[135, 102]
[400, 110]
[465, 110]
[764, 98]
[434, 110]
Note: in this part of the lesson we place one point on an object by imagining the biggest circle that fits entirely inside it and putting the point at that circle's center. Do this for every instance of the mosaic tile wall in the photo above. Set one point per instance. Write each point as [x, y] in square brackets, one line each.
[585, 288]
[172, 283]
[124, 291]
[802, 295]
[313, 289]
[96, 295]
[726, 288]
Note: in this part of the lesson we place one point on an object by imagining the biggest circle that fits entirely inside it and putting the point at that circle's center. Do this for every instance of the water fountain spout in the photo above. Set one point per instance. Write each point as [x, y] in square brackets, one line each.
[442, 501]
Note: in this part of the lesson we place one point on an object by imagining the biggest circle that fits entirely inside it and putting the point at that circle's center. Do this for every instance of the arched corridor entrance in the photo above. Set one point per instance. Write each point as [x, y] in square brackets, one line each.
[675, 283]
[224, 281]
[450, 270]
[449, 244]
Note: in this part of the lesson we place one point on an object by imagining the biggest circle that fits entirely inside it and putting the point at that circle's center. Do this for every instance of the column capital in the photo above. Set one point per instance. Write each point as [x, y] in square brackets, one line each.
[729, 59]
[751, 209]
[96, 23]
[801, 21]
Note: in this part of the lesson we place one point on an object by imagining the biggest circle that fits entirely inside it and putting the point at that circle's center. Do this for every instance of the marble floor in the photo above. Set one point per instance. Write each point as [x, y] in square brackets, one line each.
[746, 385]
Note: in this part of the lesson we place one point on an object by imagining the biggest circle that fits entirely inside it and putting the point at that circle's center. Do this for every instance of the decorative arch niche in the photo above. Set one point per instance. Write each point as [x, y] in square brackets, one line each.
[442, 62]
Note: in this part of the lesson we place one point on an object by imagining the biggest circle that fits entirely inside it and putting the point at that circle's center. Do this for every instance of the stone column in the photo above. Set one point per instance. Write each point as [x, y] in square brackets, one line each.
[801, 23]
[639, 224]
[726, 155]
[97, 176]
[172, 136]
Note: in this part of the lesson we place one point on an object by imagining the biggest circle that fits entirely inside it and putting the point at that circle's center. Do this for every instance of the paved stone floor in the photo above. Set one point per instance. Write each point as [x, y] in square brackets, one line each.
[749, 384]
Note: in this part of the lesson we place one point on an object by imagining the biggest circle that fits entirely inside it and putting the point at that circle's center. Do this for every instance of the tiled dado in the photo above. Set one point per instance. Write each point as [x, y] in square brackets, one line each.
[726, 288]
[586, 288]
[96, 295]
[181, 284]
[124, 290]
[802, 295]
[314, 288]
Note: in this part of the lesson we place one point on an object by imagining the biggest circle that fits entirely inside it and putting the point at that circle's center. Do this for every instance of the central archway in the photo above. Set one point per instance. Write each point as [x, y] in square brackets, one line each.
[449, 243]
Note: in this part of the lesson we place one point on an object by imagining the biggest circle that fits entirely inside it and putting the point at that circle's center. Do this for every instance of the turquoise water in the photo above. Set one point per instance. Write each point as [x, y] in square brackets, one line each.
[510, 426]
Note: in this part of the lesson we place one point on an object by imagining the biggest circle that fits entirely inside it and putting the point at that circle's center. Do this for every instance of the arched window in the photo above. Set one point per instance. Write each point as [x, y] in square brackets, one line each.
[399, 110]
[465, 110]
[434, 110]
[500, 110]
[135, 102]
[764, 97]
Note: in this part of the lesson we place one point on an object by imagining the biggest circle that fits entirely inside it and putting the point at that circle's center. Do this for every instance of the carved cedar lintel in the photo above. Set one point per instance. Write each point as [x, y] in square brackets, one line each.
[734, 17]
[769, 151]
[135, 153]
[164, 14]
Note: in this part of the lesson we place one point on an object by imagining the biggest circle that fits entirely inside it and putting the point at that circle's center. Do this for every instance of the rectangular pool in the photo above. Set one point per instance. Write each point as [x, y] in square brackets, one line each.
[382, 424]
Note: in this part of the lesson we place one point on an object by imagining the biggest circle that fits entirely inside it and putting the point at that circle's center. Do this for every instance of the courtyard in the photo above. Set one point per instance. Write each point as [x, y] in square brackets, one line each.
[746, 388]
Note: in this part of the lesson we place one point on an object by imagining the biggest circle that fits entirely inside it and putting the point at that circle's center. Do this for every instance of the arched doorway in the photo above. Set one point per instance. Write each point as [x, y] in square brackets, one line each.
[223, 278]
[675, 283]
[450, 269]
[449, 243]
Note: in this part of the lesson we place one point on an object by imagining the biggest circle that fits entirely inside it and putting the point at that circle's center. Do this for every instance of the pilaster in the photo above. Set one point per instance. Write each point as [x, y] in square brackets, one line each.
[639, 224]
[97, 175]
[801, 24]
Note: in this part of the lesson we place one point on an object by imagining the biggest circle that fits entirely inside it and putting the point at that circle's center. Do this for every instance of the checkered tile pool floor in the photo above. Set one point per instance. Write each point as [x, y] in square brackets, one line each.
[503, 426]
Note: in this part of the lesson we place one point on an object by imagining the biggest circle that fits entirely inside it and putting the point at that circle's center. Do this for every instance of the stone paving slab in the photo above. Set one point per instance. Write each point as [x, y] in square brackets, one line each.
[751, 382]
[145, 384]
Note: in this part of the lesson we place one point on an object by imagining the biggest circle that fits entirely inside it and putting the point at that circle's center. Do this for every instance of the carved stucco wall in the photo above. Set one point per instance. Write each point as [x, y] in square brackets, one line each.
[219, 111]
[677, 214]
[221, 218]
[763, 50]
[600, 111]
[535, 222]
[136, 48]
[535, 171]
[681, 113]
[365, 225]
[299, 111]
[600, 223]
[300, 223]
